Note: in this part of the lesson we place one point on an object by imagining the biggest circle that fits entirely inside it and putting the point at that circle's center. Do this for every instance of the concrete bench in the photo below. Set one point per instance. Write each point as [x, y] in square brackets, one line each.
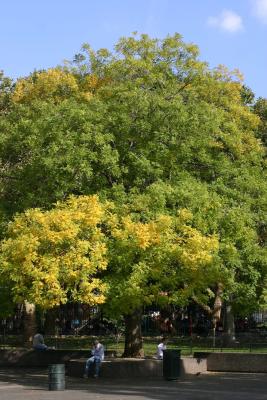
[136, 368]
[237, 362]
[35, 358]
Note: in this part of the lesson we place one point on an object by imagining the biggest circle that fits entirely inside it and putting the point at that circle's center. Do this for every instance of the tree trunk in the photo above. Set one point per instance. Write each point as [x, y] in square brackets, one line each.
[50, 321]
[229, 336]
[217, 309]
[29, 323]
[133, 338]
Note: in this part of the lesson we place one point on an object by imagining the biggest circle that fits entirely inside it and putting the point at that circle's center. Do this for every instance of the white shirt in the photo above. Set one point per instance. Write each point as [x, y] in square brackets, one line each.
[161, 347]
[98, 351]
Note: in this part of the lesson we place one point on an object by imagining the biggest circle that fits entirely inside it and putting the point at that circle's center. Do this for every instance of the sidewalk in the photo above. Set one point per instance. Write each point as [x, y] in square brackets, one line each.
[21, 384]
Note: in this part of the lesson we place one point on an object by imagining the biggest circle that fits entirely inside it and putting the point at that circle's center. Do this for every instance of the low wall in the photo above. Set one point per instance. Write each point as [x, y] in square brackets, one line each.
[120, 367]
[136, 368]
[237, 362]
[201, 354]
[35, 358]
[195, 366]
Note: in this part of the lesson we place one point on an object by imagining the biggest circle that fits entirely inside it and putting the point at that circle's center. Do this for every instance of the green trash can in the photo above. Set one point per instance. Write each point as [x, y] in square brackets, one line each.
[56, 375]
[171, 364]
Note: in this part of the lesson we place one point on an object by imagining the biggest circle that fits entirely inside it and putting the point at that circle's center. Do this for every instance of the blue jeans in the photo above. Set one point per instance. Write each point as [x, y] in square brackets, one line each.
[89, 364]
[40, 347]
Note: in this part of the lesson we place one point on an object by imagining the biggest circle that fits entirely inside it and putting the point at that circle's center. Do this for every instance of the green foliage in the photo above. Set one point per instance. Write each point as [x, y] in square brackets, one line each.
[7, 304]
[154, 129]
[48, 152]
[158, 259]
[6, 88]
[260, 108]
[247, 95]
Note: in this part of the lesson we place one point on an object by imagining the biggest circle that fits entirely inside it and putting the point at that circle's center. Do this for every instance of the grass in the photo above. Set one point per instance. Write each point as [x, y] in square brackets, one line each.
[186, 345]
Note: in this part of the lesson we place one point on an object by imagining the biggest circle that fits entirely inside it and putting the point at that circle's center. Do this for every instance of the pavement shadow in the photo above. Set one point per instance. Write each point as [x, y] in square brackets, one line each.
[202, 387]
[36, 378]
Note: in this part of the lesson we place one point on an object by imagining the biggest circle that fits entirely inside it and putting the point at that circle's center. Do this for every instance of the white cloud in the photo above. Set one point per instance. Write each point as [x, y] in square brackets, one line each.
[260, 9]
[228, 21]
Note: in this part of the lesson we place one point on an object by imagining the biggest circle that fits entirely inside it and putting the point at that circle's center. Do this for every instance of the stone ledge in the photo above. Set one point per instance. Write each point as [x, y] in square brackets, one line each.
[201, 354]
[237, 362]
[136, 368]
[35, 358]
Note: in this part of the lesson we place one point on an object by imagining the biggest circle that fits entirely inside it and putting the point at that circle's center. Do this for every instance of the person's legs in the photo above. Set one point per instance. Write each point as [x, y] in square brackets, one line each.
[97, 366]
[88, 365]
[40, 346]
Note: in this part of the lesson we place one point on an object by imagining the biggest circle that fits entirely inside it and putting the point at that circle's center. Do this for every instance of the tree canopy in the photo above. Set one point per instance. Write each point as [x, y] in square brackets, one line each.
[156, 131]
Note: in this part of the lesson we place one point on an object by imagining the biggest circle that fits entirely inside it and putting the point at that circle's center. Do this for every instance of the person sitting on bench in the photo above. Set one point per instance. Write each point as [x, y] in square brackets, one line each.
[38, 342]
[161, 347]
[95, 360]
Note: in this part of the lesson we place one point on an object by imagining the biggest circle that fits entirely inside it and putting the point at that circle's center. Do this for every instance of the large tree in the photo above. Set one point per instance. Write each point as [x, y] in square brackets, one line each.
[149, 117]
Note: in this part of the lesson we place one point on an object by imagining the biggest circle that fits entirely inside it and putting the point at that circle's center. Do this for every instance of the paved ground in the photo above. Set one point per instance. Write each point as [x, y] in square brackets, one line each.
[18, 384]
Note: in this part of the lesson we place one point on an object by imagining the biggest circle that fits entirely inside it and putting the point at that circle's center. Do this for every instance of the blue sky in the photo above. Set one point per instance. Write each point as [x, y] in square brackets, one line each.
[40, 34]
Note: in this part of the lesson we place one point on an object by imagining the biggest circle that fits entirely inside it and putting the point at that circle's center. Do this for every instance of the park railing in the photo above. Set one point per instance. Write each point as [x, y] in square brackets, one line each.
[189, 346]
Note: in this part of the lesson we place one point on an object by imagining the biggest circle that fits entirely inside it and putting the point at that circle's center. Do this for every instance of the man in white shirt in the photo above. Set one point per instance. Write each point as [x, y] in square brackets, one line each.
[97, 357]
[162, 346]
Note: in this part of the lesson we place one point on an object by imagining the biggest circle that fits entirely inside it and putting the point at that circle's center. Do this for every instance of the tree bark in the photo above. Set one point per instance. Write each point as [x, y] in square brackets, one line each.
[29, 323]
[229, 336]
[50, 321]
[133, 336]
[217, 309]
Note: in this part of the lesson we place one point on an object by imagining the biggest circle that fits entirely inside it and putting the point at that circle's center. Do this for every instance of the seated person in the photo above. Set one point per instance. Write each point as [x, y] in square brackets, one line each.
[38, 342]
[162, 346]
[95, 360]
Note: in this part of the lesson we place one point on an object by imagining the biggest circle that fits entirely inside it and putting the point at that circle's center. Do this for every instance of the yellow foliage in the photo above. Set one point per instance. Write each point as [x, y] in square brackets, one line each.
[197, 249]
[170, 234]
[56, 84]
[53, 83]
[54, 256]
[185, 215]
[51, 256]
